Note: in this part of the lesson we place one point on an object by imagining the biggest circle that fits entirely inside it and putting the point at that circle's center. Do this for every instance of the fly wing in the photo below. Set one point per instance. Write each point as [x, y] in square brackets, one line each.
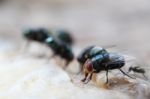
[115, 58]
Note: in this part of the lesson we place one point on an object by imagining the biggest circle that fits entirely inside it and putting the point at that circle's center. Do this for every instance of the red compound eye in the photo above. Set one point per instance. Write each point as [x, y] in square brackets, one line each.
[89, 66]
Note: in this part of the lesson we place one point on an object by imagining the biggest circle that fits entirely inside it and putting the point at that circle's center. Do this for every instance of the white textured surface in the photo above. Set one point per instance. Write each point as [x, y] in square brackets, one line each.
[24, 76]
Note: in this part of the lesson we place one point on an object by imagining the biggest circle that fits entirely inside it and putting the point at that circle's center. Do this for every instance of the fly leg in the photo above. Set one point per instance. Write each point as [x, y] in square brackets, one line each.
[86, 75]
[90, 77]
[107, 76]
[126, 74]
